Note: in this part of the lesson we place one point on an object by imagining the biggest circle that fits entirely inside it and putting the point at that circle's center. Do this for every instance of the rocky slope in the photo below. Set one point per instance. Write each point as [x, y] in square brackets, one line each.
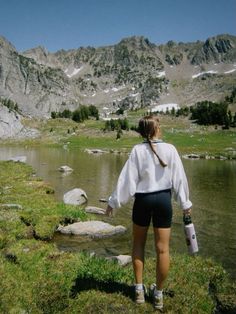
[130, 74]
[11, 126]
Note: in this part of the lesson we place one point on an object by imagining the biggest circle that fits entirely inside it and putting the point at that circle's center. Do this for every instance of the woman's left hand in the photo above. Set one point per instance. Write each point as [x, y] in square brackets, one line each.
[109, 211]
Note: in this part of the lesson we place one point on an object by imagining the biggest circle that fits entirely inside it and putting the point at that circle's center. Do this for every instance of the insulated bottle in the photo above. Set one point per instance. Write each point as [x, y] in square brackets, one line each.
[190, 234]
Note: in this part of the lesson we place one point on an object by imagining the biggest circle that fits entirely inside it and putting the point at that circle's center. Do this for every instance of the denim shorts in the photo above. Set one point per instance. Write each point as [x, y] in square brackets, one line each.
[155, 206]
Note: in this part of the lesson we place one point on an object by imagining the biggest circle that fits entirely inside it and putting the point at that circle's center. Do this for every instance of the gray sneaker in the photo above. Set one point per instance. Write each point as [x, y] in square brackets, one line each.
[157, 301]
[140, 295]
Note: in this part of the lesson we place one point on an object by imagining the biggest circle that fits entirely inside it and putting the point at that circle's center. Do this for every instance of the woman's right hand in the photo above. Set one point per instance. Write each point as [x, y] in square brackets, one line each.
[187, 212]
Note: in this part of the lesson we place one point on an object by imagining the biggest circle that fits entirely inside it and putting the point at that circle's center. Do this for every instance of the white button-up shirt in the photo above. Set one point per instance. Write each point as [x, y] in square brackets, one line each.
[142, 173]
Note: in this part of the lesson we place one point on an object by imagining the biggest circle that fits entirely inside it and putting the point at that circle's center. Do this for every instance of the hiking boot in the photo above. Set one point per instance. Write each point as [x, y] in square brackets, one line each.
[140, 295]
[157, 300]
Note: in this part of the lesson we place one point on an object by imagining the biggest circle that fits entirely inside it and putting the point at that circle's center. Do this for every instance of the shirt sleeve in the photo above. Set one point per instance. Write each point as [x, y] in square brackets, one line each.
[126, 184]
[180, 183]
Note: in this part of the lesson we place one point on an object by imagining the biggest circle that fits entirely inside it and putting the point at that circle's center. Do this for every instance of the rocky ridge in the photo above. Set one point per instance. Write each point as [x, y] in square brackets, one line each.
[131, 74]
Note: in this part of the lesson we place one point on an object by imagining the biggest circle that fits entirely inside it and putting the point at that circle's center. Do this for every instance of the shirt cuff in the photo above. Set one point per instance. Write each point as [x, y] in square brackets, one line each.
[186, 205]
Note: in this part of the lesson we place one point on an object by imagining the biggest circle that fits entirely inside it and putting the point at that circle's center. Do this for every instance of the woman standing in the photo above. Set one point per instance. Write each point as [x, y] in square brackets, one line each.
[153, 171]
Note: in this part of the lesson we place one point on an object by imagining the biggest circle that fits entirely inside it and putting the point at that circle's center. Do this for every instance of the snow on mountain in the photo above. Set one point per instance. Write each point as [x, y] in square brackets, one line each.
[73, 72]
[230, 71]
[165, 107]
[161, 74]
[202, 73]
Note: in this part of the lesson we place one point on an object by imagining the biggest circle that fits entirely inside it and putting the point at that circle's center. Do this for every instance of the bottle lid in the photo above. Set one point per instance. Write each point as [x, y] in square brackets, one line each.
[187, 219]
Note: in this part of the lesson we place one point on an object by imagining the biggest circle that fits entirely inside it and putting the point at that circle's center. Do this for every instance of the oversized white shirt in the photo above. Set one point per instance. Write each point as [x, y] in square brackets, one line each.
[142, 173]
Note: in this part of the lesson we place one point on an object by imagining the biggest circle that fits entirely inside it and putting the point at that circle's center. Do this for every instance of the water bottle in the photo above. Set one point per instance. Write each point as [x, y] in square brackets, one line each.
[190, 234]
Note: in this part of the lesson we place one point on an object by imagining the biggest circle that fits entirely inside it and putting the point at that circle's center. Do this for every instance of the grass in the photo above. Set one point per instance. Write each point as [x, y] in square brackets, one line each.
[181, 132]
[38, 278]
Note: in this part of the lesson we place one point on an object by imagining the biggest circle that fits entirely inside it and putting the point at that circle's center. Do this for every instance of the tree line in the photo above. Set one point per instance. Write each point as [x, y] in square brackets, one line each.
[208, 112]
[78, 115]
[117, 125]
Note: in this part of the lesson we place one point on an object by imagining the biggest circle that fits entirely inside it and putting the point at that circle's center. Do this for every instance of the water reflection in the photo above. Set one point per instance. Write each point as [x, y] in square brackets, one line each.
[212, 186]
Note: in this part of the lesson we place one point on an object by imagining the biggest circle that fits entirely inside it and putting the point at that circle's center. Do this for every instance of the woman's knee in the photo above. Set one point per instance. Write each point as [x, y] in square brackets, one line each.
[162, 248]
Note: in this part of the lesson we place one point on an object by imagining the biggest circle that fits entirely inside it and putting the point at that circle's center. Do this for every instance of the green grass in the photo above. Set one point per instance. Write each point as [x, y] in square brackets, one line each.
[107, 141]
[181, 132]
[38, 278]
[204, 142]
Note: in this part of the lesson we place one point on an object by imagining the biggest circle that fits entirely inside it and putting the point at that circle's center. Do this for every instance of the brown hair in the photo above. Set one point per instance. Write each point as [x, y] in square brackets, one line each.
[148, 127]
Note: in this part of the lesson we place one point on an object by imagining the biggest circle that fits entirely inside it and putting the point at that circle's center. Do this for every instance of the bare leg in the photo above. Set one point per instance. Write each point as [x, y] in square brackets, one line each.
[162, 239]
[139, 240]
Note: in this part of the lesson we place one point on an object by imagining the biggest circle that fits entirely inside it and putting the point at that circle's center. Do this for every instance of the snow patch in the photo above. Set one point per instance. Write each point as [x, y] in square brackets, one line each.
[202, 73]
[74, 72]
[161, 74]
[165, 107]
[230, 71]
[134, 95]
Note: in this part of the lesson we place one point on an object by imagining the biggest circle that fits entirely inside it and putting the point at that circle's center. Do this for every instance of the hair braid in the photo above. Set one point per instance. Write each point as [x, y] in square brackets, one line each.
[154, 151]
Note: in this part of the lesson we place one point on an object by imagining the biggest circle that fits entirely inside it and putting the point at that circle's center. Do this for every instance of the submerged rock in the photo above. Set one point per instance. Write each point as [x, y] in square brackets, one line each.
[65, 169]
[95, 210]
[75, 197]
[94, 229]
[95, 151]
[19, 159]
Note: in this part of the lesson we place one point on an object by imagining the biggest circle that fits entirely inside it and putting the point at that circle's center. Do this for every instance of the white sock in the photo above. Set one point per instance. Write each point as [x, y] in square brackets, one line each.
[139, 286]
[158, 293]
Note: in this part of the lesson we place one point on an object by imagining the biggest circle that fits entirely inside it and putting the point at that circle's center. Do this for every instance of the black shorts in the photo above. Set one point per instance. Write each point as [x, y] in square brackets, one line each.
[156, 206]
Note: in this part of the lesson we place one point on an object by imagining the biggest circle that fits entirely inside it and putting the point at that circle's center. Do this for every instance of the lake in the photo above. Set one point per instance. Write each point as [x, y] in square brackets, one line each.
[212, 186]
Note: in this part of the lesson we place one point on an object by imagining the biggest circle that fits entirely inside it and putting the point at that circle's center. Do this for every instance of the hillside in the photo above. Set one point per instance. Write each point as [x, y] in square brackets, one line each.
[131, 74]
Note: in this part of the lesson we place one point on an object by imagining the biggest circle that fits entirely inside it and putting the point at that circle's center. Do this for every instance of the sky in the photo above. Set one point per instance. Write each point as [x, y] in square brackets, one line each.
[69, 24]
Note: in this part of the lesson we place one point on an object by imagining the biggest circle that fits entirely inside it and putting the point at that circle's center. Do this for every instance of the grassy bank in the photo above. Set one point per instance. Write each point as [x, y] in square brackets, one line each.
[38, 278]
[185, 135]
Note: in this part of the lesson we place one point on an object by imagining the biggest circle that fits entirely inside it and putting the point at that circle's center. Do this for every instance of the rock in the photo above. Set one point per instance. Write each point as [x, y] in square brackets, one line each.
[94, 229]
[95, 210]
[19, 159]
[122, 259]
[75, 197]
[65, 169]
[11, 206]
[221, 157]
[95, 151]
[191, 156]
[11, 126]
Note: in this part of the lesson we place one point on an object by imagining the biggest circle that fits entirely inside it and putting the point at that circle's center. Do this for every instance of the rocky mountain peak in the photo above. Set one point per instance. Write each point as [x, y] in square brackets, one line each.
[131, 74]
[220, 44]
[6, 45]
[216, 49]
[137, 42]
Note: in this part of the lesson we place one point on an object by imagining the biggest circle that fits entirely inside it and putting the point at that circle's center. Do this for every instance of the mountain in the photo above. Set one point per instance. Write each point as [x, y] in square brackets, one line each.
[131, 74]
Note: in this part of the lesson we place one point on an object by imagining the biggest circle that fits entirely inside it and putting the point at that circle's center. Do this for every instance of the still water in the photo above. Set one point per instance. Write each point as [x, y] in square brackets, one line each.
[212, 186]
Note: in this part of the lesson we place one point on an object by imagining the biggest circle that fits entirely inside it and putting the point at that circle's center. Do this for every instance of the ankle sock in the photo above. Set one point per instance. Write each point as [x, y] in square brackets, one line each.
[139, 286]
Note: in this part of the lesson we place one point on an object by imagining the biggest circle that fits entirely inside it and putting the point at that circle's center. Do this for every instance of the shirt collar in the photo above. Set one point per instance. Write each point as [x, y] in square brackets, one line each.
[153, 141]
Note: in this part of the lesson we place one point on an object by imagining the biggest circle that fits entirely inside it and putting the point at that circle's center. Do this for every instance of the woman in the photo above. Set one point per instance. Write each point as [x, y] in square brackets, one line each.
[153, 170]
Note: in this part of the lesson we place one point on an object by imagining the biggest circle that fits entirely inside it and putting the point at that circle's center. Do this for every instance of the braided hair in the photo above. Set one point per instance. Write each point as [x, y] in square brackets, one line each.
[148, 126]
